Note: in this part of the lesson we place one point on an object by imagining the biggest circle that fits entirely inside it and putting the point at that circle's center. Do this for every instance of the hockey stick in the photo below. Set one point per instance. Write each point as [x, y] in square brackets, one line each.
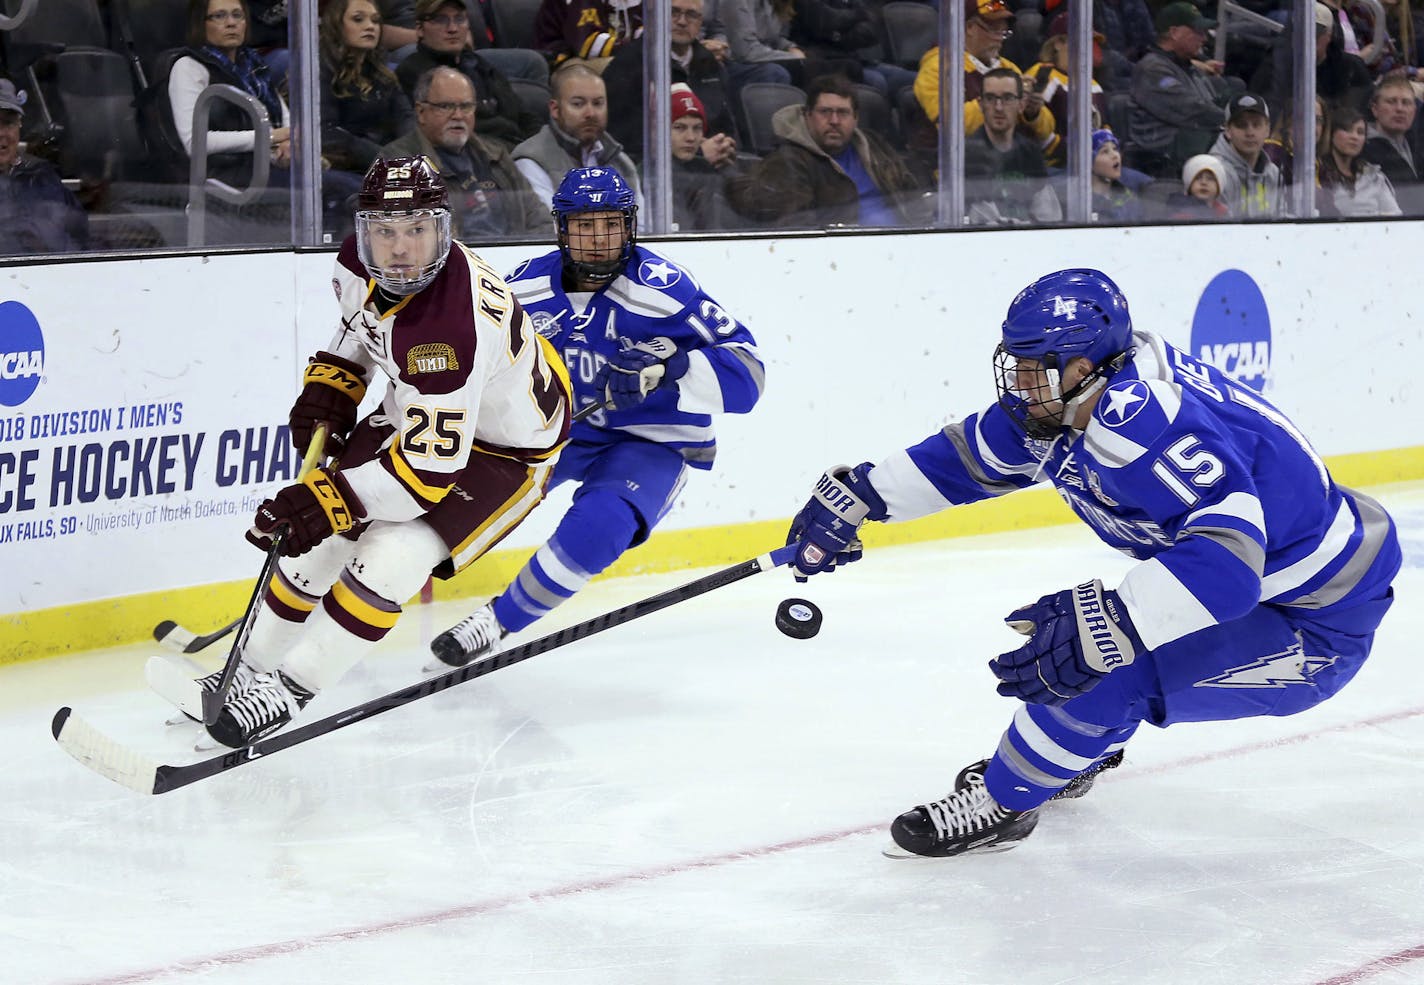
[184, 640]
[214, 700]
[133, 770]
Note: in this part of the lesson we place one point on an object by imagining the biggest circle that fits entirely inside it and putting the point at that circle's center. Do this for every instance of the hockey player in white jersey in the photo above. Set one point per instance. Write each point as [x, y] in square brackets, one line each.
[1259, 581]
[459, 451]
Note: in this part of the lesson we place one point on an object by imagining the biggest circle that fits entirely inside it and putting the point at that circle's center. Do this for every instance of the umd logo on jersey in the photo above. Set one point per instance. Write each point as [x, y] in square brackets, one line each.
[433, 357]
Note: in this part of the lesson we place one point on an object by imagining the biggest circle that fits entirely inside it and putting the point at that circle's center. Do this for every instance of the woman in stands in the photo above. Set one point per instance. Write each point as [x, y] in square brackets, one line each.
[362, 105]
[217, 53]
[1351, 186]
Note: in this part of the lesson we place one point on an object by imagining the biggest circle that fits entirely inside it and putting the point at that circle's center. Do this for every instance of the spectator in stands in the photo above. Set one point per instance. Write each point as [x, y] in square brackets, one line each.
[827, 171]
[1127, 31]
[840, 34]
[362, 105]
[443, 29]
[217, 53]
[1255, 190]
[1394, 141]
[986, 25]
[739, 73]
[699, 201]
[587, 31]
[1050, 77]
[1340, 77]
[1353, 187]
[1203, 179]
[1176, 104]
[1113, 201]
[692, 64]
[575, 135]
[489, 198]
[267, 33]
[400, 34]
[37, 213]
[1006, 182]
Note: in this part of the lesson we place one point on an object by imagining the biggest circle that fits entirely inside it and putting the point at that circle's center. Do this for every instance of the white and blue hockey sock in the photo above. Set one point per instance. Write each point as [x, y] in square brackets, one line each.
[593, 534]
[1043, 749]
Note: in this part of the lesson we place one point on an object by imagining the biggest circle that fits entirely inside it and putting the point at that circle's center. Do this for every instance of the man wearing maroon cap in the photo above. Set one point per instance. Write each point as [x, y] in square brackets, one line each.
[987, 23]
[698, 201]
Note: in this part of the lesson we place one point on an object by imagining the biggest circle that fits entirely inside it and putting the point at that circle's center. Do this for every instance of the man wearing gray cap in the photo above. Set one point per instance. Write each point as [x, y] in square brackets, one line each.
[37, 213]
[1176, 106]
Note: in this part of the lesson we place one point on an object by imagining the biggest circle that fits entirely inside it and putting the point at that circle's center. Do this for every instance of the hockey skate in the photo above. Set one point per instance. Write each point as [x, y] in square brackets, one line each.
[968, 820]
[269, 702]
[173, 681]
[475, 636]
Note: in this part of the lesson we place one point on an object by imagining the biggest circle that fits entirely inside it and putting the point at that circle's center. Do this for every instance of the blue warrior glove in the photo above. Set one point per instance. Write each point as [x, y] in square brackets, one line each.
[1076, 638]
[631, 374]
[825, 531]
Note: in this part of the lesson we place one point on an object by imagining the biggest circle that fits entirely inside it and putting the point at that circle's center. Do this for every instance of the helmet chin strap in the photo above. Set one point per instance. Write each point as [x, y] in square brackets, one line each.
[1086, 390]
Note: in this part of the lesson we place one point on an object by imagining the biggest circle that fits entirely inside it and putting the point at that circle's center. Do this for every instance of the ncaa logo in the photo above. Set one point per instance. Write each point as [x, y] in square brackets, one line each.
[1231, 329]
[21, 353]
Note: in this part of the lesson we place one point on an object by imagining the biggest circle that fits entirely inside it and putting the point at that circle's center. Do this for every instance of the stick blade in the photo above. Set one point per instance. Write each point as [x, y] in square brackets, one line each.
[173, 636]
[103, 755]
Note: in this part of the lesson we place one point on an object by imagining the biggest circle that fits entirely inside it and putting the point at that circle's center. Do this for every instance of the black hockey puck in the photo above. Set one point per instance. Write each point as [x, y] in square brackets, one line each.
[798, 618]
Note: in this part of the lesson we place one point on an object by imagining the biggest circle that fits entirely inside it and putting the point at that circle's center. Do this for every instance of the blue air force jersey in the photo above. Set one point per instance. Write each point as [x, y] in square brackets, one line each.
[652, 297]
[1216, 493]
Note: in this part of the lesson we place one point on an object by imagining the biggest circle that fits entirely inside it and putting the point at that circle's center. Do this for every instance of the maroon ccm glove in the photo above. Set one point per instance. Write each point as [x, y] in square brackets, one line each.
[332, 390]
[320, 505]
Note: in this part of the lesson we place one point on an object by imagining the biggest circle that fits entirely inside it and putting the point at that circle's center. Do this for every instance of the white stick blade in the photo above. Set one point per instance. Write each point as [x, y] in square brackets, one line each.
[102, 754]
[172, 680]
[173, 636]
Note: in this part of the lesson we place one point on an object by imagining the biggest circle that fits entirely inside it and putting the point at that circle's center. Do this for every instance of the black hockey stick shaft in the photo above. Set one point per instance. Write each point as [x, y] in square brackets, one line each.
[168, 778]
[214, 700]
[195, 643]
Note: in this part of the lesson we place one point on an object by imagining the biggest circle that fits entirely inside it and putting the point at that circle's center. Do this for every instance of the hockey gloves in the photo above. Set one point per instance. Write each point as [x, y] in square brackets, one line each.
[825, 531]
[1076, 638]
[332, 390]
[320, 505]
[631, 374]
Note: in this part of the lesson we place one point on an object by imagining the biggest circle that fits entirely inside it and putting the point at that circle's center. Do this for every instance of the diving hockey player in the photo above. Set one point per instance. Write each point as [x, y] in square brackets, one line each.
[1258, 585]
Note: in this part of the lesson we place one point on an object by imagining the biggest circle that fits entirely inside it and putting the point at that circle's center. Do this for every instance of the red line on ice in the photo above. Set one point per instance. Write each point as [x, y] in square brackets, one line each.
[277, 948]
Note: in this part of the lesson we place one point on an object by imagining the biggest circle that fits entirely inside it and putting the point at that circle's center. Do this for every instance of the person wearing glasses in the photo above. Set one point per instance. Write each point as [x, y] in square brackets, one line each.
[443, 27]
[987, 25]
[694, 65]
[489, 198]
[218, 54]
[1006, 180]
[827, 171]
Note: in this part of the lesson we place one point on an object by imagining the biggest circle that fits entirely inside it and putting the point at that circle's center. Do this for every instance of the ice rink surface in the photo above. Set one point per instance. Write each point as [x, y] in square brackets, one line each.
[694, 798]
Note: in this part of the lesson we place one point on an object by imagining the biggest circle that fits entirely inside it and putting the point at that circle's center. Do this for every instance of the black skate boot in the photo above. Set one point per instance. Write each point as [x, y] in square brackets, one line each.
[1083, 782]
[475, 636]
[269, 702]
[968, 820]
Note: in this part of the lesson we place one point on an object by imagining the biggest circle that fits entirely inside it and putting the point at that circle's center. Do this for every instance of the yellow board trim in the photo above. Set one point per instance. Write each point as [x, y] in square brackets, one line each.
[129, 619]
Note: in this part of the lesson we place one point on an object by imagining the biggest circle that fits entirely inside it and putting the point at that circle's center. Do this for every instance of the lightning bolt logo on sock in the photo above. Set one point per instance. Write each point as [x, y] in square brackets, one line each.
[1290, 666]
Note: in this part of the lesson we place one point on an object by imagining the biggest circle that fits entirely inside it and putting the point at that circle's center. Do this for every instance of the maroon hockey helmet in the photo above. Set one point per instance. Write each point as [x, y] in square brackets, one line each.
[403, 204]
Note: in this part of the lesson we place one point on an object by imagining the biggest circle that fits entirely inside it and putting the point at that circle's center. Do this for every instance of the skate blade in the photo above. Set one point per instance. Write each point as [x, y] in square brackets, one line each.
[899, 854]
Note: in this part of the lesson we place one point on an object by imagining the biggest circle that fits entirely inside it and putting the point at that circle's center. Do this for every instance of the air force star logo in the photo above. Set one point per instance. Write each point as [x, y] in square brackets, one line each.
[659, 273]
[1122, 402]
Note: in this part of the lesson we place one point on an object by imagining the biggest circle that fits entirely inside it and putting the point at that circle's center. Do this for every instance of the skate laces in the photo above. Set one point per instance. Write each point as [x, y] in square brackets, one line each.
[241, 681]
[965, 811]
[478, 630]
[266, 699]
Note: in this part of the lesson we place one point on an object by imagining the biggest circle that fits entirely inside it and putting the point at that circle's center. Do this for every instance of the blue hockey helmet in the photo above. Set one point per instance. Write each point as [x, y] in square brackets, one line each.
[1056, 319]
[595, 190]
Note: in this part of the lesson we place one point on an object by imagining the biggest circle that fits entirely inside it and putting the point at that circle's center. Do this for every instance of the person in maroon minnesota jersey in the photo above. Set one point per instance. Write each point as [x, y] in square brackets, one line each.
[456, 454]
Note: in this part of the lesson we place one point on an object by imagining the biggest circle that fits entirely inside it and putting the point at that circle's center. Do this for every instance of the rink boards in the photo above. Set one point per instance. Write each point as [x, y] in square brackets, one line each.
[142, 402]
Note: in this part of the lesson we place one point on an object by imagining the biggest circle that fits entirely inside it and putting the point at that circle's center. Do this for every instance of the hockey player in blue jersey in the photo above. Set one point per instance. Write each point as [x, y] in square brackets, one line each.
[1258, 585]
[642, 338]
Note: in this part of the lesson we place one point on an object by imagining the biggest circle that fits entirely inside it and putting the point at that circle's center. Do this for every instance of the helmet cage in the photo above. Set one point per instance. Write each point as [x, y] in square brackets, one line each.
[598, 271]
[1061, 406]
[403, 281]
